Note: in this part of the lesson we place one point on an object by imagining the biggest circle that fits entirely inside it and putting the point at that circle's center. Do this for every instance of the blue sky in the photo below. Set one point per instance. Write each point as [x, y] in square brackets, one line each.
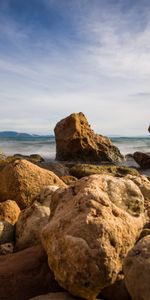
[64, 56]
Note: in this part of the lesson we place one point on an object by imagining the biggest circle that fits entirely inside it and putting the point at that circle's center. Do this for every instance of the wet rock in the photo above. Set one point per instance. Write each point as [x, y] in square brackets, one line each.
[143, 159]
[93, 224]
[22, 181]
[76, 141]
[137, 270]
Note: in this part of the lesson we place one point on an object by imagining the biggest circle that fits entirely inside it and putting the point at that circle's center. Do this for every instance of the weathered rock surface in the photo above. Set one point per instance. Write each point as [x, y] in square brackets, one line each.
[34, 158]
[143, 183]
[137, 270]
[22, 181]
[81, 170]
[26, 274]
[143, 159]
[93, 224]
[33, 219]
[9, 211]
[76, 141]
[7, 232]
[55, 296]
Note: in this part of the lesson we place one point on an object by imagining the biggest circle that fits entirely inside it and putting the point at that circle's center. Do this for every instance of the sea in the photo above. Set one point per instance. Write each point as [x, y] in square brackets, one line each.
[46, 146]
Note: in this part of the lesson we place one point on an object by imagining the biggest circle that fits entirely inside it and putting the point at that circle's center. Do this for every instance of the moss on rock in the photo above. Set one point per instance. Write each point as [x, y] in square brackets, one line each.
[81, 170]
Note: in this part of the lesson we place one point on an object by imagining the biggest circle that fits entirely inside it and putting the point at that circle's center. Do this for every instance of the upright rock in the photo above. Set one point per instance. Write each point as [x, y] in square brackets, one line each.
[22, 181]
[93, 224]
[143, 159]
[76, 141]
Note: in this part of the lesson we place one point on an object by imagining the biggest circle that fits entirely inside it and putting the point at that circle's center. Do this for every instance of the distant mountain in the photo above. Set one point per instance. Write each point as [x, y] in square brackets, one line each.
[14, 134]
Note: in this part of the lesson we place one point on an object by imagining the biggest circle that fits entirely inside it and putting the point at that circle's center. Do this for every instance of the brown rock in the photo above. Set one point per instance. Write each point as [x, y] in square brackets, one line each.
[25, 274]
[116, 291]
[9, 211]
[68, 179]
[77, 142]
[137, 270]
[22, 181]
[143, 159]
[55, 296]
[93, 224]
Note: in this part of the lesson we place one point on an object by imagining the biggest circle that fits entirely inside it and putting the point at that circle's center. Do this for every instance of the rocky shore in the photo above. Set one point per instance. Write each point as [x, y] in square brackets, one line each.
[78, 227]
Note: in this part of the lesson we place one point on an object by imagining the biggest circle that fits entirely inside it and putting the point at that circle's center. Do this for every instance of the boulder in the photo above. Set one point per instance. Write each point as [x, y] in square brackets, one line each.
[9, 211]
[93, 224]
[137, 270]
[143, 159]
[76, 141]
[7, 232]
[81, 170]
[143, 183]
[33, 219]
[26, 274]
[22, 181]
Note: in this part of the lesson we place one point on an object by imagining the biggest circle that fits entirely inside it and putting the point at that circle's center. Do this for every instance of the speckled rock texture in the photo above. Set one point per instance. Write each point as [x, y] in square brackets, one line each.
[93, 224]
[9, 211]
[137, 270]
[33, 219]
[76, 141]
[22, 181]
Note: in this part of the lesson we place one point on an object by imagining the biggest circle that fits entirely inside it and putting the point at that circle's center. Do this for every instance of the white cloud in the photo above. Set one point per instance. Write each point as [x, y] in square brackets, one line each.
[96, 71]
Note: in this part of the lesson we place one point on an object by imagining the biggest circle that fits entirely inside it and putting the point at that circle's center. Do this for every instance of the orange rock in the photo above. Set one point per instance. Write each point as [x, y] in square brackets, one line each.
[22, 181]
[75, 140]
[9, 211]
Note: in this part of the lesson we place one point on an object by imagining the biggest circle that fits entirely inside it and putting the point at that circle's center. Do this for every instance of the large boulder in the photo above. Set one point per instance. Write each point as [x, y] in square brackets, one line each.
[9, 211]
[76, 141]
[33, 219]
[26, 274]
[22, 181]
[143, 159]
[137, 270]
[93, 224]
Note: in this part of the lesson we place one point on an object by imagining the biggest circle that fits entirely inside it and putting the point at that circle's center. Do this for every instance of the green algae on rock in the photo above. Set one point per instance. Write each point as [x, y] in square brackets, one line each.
[81, 170]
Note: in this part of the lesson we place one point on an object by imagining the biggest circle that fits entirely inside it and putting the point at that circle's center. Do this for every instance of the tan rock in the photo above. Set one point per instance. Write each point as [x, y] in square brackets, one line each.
[76, 141]
[22, 181]
[9, 211]
[137, 270]
[26, 274]
[33, 219]
[143, 183]
[93, 224]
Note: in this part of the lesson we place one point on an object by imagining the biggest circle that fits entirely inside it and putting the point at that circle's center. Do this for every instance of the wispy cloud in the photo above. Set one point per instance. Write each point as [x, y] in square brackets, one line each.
[88, 56]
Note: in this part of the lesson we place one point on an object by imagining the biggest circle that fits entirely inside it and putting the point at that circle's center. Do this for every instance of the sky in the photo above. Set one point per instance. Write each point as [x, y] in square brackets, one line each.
[63, 56]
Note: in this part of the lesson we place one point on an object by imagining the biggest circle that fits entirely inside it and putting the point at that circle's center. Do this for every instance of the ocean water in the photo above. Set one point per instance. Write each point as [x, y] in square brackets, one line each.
[46, 147]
